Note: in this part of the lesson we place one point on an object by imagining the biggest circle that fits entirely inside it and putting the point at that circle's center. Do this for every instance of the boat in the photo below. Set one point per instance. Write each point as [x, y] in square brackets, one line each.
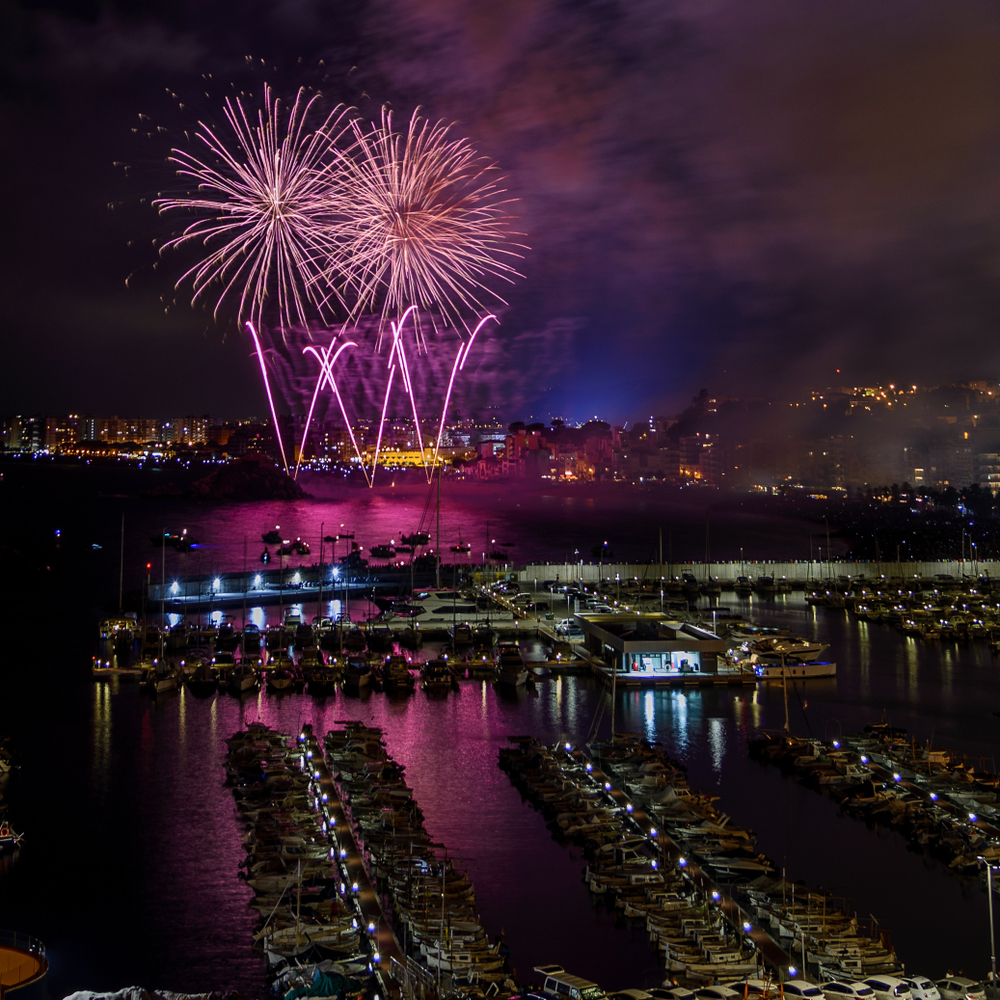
[9, 840]
[265, 556]
[204, 682]
[382, 551]
[160, 678]
[461, 634]
[322, 681]
[776, 667]
[357, 676]
[396, 676]
[272, 537]
[280, 676]
[417, 538]
[510, 670]
[182, 542]
[242, 678]
[437, 675]
[789, 646]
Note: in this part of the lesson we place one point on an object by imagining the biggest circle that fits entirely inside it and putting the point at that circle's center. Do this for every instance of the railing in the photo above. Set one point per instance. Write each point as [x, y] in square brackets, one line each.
[22, 942]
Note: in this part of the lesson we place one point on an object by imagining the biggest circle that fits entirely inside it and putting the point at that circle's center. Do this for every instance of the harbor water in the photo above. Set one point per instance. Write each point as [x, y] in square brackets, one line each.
[128, 871]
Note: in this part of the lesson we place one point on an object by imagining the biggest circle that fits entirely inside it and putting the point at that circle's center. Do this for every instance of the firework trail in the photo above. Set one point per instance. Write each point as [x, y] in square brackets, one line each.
[265, 197]
[420, 221]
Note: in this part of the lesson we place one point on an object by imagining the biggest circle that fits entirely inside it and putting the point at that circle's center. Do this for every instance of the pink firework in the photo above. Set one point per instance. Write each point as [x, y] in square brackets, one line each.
[264, 197]
[420, 221]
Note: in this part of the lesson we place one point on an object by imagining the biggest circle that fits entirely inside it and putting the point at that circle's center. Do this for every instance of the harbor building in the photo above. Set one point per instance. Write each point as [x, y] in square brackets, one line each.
[650, 647]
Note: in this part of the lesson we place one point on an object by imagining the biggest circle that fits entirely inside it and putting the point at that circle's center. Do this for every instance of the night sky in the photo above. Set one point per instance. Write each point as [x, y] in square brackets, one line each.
[745, 196]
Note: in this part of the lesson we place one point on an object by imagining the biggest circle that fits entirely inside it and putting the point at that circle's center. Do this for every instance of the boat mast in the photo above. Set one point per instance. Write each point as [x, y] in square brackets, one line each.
[163, 585]
[246, 583]
[784, 685]
[438, 542]
[121, 567]
[319, 597]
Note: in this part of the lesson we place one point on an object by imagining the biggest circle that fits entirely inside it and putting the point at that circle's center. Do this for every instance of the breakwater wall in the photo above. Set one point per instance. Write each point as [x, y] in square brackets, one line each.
[727, 572]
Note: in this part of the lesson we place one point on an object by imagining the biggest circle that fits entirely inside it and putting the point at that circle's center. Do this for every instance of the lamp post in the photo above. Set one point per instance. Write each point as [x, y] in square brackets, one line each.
[992, 989]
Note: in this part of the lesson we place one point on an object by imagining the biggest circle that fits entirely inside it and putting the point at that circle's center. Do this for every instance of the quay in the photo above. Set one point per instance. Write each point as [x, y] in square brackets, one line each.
[386, 948]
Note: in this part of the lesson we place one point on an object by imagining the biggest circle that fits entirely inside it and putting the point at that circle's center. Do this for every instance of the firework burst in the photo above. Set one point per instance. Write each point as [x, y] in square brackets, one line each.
[420, 221]
[264, 194]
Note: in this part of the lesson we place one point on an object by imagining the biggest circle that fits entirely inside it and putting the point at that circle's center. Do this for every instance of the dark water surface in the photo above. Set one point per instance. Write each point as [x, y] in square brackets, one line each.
[128, 872]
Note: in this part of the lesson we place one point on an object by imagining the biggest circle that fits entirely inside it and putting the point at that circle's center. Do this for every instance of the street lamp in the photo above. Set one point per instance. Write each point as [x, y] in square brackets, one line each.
[993, 951]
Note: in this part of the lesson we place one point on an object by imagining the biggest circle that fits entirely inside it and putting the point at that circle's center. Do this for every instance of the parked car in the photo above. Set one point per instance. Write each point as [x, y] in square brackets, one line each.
[842, 989]
[672, 993]
[921, 988]
[958, 988]
[888, 988]
[718, 993]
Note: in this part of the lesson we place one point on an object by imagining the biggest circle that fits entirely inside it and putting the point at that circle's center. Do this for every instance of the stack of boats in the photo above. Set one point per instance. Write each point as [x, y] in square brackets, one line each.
[430, 901]
[306, 924]
[940, 801]
[696, 935]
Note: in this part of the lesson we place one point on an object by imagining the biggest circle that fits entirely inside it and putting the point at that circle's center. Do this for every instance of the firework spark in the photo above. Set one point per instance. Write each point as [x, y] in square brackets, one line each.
[265, 198]
[420, 221]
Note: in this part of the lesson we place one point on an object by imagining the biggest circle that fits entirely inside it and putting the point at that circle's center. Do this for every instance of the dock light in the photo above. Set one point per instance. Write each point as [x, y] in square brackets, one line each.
[256, 580]
[973, 817]
[316, 775]
[333, 819]
[836, 743]
[174, 588]
[569, 746]
[896, 776]
[590, 767]
[297, 578]
[343, 888]
[682, 862]
[324, 798]
[715, 894]
[354, 887]
[354, 923]
[864, 759]
[747, 926]
[792, 970]
[628, 808]
[654, 863]
[607, 786]
[343, 853]
[216, 583]
[933, 796]
[371, 927]
[376, 957]
[309, 755]
[652, 832]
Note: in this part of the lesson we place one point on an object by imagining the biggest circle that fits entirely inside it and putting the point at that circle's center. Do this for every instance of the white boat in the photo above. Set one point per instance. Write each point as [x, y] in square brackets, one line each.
[772, 667]
[790, 646]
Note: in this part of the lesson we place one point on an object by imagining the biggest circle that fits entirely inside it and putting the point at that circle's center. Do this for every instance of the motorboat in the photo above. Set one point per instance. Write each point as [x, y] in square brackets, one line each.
[396, 676]
[382, 551]
[461, 634]
[437, 675]
[417, 538]
[510, 670]
[776, 667]
[272, 537]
